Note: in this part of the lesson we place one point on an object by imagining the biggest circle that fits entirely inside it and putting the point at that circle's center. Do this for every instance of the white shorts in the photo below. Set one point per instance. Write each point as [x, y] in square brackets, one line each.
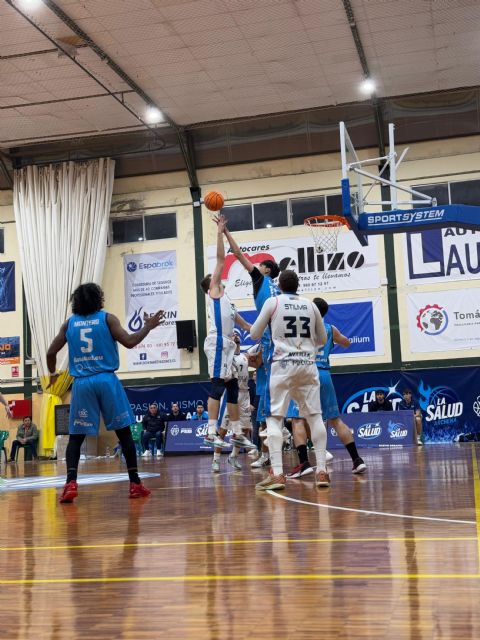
[296, 381]
[219, 352]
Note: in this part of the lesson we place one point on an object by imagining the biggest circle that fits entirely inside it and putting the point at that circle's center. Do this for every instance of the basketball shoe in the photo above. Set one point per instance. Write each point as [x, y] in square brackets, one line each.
[233, 460]
[70, 492]
[263, 461]
[138, 491]
[359, 466]
[239, 440]
[213, 440]
[274, 483]
[302, 469]
[322, 479]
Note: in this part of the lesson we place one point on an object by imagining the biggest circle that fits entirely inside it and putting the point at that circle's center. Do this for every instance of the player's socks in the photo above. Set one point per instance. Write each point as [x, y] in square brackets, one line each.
[352, 450]
[212, 427]
[72, 475]
[133, 475]
[275, 444]
[319, 439]
[302, 453]
[235, 451]
[217, 456]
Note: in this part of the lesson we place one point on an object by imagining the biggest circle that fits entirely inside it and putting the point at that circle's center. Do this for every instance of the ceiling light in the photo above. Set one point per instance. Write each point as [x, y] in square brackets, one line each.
[153, 115]
[269, 226]
[368, 86]
[31, 4]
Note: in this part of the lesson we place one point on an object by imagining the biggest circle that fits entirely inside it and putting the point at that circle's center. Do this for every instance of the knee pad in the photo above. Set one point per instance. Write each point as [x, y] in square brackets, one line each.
[217, 389]
[232, 391]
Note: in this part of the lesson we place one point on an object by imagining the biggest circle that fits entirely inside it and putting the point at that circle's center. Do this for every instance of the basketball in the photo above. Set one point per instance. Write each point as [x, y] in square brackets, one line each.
[214, 201]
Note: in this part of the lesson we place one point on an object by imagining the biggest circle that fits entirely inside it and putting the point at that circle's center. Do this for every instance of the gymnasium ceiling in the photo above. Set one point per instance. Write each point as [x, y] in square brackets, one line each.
[76, 77]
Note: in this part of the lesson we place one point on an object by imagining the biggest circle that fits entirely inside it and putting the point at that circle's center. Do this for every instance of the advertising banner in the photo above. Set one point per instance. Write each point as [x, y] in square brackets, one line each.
[351, 267]
[7, 286]
[449, 400]
[10, 350]
[444, 320]
[150, 285]
[360, 320]
[187, 437]
[442, 255]
[379, 429]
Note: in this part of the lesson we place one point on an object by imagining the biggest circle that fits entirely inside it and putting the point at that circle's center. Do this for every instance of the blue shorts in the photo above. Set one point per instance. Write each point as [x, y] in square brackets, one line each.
[99, 394]
[328, 398]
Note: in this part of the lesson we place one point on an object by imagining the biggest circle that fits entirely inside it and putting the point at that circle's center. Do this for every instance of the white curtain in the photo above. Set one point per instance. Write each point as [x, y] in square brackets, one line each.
[61, 213]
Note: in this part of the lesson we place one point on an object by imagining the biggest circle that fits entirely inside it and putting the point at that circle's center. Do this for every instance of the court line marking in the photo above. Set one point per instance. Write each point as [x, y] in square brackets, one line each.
[259, 577]
[186, 543]
[320, 505]
[476, 495]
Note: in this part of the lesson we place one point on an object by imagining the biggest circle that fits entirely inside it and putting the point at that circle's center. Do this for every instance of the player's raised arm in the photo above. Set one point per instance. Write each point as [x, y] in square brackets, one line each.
[237, 252]
[339, 338]
[216, 279]
[130, 340]
[320, 335]
[260, 324]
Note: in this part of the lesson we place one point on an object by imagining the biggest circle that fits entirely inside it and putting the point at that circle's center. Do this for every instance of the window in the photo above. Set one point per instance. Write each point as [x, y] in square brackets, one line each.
[127, 230]
[239, 217]
[140, 228]
[163, 225]
[465, 192]
[270, 214]
[334, 205]
[307, 207]
[438, 191]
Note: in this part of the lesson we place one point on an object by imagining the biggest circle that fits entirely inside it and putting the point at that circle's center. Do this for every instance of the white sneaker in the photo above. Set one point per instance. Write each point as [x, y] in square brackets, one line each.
[216, 466]
[263, 461]
[159, 454]
[239, 440]
[253, 453]
[213, 440]
[146, 453]
[233, 460]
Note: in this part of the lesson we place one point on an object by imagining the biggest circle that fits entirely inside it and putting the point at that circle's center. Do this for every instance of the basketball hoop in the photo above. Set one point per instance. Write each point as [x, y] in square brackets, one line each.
[325, 230]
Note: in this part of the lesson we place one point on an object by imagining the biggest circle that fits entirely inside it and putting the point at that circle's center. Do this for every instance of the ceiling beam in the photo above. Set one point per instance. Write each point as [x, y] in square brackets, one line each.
[103, 55]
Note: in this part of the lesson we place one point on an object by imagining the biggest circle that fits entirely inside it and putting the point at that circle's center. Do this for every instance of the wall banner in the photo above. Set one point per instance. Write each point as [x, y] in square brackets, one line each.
[360, 320]
[442, 255]
[7, 286]
[350, 268]
[10, 350]
[444, 320]
[150, 285]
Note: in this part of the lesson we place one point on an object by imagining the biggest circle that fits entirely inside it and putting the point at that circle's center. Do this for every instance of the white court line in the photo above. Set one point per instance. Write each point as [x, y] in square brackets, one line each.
[370, 513]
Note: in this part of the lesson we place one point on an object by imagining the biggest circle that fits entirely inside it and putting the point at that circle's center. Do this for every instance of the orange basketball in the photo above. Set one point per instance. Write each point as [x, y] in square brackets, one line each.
[214, 201]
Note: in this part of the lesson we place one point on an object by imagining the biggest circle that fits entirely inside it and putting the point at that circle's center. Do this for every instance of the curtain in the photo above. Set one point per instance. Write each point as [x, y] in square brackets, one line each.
[61, 214]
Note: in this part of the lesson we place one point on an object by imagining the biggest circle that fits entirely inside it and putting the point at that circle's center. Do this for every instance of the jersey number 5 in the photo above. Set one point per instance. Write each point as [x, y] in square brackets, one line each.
[88, 348]
[292, 327]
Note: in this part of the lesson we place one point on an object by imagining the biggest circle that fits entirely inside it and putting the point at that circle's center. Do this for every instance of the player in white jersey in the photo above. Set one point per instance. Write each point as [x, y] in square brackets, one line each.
[219, 349]
[297, 331]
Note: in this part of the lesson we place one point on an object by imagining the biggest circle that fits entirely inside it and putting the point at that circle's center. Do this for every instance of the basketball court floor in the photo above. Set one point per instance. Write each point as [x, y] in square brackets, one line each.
[391, 554]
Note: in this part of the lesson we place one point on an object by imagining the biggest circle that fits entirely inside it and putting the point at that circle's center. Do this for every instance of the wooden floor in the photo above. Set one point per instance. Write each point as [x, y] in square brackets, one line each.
[393, 554]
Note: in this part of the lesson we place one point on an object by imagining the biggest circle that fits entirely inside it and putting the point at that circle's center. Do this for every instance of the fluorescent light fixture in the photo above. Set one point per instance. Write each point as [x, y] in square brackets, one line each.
[269, 226]
[140, 239]
[31, 4]
[368, 86]
[153, 115]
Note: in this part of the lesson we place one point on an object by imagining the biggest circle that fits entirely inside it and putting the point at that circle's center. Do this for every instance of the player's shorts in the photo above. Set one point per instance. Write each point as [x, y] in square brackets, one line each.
[219, 351]
[292, 381]
[328, 398]
[100, 394]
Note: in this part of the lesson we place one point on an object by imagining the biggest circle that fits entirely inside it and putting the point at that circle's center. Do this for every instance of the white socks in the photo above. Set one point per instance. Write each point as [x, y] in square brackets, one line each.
[319, 439]
[275, 443]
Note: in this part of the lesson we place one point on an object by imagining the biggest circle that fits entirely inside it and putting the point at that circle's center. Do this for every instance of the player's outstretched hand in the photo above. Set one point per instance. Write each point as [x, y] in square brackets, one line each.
[53, 379]
[8, 411]
[221, 222]
[153, 321]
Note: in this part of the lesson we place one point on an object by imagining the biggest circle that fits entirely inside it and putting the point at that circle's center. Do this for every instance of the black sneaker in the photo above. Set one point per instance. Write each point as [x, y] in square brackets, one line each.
[359, 466]
[302, 469]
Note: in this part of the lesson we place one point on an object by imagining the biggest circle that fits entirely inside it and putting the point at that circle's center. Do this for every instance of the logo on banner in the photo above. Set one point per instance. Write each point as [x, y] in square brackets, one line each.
[441, 405]
[201, 431]
[476, 406]
[136, 323]
[131, 266]
[359, 400]
[369, 431]
[432, 319]
[397, 430]
[175, 431]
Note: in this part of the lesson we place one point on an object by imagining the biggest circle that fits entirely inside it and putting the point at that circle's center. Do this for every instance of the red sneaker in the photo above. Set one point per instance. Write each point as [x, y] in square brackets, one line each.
[138, 491]
[70, 492]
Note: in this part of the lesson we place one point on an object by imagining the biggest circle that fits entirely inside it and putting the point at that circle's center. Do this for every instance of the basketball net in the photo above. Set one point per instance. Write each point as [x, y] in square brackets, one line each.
[325, 230]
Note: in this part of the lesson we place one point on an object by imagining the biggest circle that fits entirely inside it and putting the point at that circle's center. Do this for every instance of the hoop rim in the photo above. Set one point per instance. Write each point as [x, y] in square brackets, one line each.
[326, 221]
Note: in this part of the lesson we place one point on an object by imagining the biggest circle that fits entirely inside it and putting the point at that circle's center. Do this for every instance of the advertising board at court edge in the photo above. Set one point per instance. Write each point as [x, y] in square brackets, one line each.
[350, 267]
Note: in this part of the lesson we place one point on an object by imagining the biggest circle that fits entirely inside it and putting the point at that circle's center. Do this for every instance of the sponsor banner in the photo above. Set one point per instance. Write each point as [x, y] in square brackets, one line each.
[187, 396]
[442, 255]
[379, 429]
[150, 285]
[448, 399]
[349, 268]
[7, 286]
[10, 350]
[444, 320]
[447, 214]
[187, 437]
[360, 320]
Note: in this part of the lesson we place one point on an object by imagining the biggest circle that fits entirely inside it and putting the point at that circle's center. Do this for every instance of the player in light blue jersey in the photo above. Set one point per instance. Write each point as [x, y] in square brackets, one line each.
[328, 401]
[92, 335]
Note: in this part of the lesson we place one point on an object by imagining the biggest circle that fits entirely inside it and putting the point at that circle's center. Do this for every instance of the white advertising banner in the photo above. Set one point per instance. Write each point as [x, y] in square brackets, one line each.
[442, 255]
[150, 285]
[444, 320]
[349, 268]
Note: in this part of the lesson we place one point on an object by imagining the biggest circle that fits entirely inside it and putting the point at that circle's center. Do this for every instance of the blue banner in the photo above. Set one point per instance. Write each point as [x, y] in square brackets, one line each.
[374, 430]
[448, 399]
[7, 286]
[187, 396]
[187, 437]
[10, 350]
[399, 221]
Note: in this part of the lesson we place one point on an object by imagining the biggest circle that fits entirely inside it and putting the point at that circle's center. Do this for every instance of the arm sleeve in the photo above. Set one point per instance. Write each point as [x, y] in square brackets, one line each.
[320, 333]
[257, 280]
[260, 324]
